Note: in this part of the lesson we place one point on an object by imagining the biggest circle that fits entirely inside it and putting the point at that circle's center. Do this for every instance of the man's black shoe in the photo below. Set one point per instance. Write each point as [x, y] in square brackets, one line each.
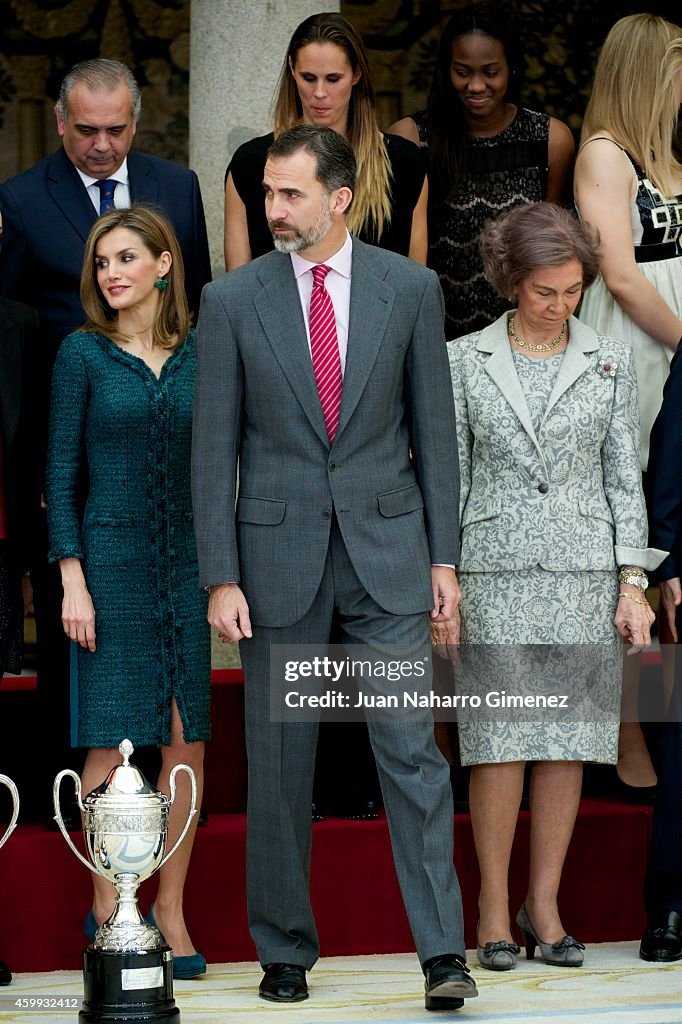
[283, 983]
[5, 974]
[664, 944]
[448, 983]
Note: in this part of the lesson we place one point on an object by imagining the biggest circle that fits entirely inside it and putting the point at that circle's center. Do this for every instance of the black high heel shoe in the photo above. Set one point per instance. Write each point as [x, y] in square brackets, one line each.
[565, 953]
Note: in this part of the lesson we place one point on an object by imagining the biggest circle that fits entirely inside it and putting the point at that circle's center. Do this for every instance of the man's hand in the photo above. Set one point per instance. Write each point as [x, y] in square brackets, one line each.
[228, 612]
[445, 611]
[671, 598]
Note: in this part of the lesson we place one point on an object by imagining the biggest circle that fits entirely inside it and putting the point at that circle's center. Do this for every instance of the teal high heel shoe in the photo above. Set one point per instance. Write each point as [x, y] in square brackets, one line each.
[184, 967]
[565, 953]
[90, 926]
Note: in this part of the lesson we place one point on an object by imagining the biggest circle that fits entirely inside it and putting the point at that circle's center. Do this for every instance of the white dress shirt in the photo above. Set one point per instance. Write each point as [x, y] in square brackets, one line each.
[337, 283]
[121, 192]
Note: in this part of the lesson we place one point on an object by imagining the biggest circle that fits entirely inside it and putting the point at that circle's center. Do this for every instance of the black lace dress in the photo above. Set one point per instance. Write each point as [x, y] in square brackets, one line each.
[504, 170]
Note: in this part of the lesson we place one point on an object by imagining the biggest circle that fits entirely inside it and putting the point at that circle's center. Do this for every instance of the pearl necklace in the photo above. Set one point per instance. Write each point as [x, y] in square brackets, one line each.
[529, 347]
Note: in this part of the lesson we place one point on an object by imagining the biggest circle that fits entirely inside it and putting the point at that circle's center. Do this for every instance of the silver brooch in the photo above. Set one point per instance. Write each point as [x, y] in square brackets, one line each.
[607, 368]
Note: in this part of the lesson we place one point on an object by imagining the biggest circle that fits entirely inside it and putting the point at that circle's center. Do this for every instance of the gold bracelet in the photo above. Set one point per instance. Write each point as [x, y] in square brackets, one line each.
[632, 597]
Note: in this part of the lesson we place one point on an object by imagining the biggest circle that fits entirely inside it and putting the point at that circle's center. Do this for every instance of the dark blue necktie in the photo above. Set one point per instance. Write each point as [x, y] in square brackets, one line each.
[106, 195]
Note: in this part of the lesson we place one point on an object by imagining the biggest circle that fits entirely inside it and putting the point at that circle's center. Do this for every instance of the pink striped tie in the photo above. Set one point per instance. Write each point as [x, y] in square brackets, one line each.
[324, 348]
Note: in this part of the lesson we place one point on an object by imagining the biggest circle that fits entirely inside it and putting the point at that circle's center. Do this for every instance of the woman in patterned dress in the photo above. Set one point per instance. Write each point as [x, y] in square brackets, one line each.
[628, 185]
[486, 154]
[551, 505]
[122, 397]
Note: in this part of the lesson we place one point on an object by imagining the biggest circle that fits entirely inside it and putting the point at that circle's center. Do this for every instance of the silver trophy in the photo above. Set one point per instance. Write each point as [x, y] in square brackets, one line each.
[128, 967]
[6, 781]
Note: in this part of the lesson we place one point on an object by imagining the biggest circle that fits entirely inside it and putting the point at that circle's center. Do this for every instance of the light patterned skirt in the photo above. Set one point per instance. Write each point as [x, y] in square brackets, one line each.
[534, 634]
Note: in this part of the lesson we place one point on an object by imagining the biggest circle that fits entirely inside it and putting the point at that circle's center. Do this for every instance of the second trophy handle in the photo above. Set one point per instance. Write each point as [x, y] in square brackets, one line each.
[6, 781]
[193, 808]
[58, 813]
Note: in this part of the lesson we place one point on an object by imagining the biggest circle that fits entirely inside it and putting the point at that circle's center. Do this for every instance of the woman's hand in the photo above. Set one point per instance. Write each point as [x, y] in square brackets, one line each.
[634, 618]
[78, 612]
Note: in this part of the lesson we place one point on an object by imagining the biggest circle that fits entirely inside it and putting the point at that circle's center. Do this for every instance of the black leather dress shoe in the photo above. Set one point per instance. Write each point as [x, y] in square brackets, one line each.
[5, 974]
[663, 944]
[448, 983]
[283, 983]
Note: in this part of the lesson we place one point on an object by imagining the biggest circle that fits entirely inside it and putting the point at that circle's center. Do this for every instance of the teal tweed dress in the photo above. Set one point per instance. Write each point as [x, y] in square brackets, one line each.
[129, 434]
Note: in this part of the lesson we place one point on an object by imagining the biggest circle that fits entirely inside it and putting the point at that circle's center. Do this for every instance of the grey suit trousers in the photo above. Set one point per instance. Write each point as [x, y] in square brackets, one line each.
[414, 776]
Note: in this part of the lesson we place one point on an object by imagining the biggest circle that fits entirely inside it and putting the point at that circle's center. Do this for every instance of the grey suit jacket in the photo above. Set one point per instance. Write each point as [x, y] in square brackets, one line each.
[569, 496]
[391, 476]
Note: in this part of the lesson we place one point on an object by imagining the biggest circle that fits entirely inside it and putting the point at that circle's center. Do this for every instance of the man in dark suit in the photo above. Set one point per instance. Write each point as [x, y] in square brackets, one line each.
[49, 209]
[323, 371]
[47, 212]
[662, 941]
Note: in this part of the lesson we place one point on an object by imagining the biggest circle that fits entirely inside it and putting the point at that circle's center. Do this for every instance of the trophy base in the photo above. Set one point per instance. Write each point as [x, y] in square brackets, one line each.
[128, 988]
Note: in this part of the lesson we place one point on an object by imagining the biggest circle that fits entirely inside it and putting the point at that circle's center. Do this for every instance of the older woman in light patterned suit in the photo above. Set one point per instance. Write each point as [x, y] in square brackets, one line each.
[551, 507]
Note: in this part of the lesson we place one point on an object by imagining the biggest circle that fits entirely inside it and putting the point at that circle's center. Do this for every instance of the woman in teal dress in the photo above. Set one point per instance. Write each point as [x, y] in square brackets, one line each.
[122, 418]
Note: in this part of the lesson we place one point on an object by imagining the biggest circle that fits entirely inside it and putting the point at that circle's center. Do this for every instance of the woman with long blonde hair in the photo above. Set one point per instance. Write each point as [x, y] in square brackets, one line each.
[628, 185]
[325, 80]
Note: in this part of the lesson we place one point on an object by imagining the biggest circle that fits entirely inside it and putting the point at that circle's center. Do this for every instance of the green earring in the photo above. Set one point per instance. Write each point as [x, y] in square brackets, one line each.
[161, 284]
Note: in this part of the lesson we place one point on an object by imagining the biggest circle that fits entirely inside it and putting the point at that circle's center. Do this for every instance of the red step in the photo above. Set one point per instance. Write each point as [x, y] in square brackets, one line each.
[45, 891]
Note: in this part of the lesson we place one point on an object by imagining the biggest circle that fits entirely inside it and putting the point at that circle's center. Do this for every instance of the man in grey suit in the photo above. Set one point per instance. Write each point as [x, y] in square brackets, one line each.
[345, 511]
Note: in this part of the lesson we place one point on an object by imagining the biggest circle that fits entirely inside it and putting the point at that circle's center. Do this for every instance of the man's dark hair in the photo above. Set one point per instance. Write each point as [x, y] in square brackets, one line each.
[336, 166]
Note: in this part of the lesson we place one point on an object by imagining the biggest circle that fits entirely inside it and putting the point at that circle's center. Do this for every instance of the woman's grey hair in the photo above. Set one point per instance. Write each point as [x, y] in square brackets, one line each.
[97, 75]
[528, 238]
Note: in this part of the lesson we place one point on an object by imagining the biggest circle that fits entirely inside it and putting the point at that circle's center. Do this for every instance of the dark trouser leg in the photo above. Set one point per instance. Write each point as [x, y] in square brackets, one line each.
[414, 775]
[53, 697]
[663, 881]
[281, 759]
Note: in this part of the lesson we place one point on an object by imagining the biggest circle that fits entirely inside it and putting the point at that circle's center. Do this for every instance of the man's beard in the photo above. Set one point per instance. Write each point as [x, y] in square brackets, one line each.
[306, 237]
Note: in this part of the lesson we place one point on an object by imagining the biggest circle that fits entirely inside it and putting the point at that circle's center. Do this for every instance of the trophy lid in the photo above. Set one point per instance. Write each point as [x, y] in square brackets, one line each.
[124, 783]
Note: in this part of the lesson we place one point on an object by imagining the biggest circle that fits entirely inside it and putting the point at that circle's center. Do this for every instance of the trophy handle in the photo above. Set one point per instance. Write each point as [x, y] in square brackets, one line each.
[193, 808]
[58, 813]
[15, 812]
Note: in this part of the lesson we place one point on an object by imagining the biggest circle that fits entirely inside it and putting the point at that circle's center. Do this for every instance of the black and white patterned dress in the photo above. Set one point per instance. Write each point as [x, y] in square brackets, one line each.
[504, 170]
[657, 240]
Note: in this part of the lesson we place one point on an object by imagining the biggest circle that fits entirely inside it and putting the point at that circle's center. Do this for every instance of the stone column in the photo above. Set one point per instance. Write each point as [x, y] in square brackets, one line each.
[236, 53]
[30, 75]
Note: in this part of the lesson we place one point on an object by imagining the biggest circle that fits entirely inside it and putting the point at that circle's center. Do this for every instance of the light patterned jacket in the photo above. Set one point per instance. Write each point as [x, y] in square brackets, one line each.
[568, 497]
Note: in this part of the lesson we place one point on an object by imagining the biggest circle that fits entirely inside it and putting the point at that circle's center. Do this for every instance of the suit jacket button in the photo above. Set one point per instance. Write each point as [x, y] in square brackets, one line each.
[326, 514]
[332, 467]
[543, 488]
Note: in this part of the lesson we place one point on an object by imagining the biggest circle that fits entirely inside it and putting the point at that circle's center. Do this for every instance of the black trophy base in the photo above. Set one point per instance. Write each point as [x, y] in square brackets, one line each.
[128, 987]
